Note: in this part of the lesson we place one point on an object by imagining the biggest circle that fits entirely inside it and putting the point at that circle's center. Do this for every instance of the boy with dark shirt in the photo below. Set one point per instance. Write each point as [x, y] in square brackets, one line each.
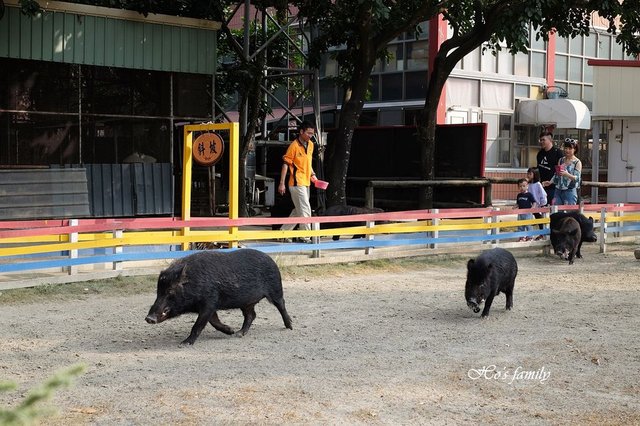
[525, 200]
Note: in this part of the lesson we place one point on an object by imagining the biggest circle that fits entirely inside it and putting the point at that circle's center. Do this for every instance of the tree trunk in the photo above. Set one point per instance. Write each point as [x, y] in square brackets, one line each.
[338, 156]
[446, 59]
[427, 132]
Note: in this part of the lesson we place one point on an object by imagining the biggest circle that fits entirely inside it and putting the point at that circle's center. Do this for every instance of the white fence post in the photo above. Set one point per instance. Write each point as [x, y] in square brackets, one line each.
[487, 220]
[496, 229]
[316, 227]
[603, 230]
[370, 224]
[73, 254]
[117, 266]
[618, 234]
[435, 222]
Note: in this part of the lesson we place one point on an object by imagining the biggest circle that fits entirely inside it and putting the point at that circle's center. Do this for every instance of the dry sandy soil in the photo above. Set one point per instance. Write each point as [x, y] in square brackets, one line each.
[369, 346]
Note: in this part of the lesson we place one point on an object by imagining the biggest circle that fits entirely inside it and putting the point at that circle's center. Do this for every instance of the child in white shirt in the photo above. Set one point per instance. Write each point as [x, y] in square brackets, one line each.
[537, 190]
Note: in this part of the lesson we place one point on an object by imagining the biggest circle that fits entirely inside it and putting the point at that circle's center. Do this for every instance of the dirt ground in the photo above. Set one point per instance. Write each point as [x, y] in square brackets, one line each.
[372, 346]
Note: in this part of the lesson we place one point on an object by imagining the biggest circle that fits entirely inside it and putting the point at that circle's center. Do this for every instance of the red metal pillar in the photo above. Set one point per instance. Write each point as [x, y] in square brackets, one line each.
[438, 34]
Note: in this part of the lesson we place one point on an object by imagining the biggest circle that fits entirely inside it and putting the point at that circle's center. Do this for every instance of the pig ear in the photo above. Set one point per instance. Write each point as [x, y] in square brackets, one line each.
[591, 219]
[183, 275]
[470, 263]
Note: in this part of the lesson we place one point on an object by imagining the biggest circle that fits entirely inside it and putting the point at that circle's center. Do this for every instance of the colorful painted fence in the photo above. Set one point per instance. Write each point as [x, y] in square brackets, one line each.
[71, 245]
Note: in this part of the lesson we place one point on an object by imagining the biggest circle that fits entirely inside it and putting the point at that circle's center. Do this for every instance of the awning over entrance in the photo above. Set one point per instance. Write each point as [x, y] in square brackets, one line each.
[564, 113]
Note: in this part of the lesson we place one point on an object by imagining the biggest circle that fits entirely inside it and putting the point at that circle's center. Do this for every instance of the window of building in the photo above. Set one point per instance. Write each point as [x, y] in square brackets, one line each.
[415, 85]
[489, 62]
[471, 62]
[538, 64]
[417, 55]
[396, 61]
[505, 62]
[499, 152]
[496, 95]
[521, 64]
[522, 91]
[604, 46]
[391, 87]
[575, 45]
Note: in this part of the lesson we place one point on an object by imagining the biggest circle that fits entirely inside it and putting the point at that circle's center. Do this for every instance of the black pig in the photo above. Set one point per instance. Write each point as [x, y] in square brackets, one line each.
[209, 281]
[566, 238]
[492, 272]
[340, 210]
[586, 227]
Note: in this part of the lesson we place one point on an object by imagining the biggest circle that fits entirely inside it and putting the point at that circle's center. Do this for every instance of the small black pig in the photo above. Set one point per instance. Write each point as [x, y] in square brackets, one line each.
[492, 272]
[340, 210]
[209, 281]
[566, 238]
[586, 227]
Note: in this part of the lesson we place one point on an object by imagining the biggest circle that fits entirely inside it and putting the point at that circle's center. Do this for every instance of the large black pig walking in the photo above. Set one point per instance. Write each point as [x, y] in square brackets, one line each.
[566, 239]
[586, 229]
[492, 272]
[209, 281]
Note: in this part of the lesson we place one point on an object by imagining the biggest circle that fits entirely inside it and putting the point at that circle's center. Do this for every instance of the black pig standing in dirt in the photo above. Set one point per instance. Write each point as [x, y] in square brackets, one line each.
[340, 210]
[586, 227]
[566, 238]
[492, 272]
[209, 281]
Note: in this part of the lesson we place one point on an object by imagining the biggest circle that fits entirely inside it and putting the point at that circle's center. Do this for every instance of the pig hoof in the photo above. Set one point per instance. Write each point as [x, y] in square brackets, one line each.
[186, 342]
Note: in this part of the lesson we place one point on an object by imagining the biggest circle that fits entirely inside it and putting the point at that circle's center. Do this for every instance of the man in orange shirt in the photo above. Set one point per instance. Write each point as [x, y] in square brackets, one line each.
[297, 161]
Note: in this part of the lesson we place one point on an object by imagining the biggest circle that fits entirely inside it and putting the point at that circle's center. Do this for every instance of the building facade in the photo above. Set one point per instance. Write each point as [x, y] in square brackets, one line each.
[489, 88]
[87, 85]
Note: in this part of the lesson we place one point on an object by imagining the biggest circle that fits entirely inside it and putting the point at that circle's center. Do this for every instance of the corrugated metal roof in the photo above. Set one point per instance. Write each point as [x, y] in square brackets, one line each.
[125, 40]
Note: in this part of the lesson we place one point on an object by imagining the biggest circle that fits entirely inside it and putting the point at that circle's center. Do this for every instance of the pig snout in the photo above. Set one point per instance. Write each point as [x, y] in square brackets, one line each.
[473, 305]
[154, 318]
[564, 254]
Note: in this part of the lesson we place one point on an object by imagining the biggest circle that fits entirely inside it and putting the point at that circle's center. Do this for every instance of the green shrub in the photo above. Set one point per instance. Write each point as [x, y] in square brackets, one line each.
[29, 410]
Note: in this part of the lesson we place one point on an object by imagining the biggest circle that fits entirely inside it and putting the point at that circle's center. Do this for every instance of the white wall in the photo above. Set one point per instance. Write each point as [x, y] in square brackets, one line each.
[616, 91]
[624, 160]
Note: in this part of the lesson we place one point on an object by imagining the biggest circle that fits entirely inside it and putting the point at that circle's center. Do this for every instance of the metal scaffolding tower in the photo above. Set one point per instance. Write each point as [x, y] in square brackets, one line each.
[274, 129]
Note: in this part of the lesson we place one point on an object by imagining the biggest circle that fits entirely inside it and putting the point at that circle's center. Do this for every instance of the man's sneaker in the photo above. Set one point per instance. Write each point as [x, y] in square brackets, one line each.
[305, 240]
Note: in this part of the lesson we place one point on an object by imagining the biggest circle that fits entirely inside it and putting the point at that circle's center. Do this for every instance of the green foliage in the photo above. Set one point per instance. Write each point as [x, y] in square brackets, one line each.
[29, 410]
[360, 30]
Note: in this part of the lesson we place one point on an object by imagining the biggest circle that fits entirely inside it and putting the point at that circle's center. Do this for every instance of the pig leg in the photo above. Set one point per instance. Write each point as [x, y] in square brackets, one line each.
[285, 316]
[509, 299]
[218, 325]
[578, 254]
[203, 318]
[249, 315]
[487, 305]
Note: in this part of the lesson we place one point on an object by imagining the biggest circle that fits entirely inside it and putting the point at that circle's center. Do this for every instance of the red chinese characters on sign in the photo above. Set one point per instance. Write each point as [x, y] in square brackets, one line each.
[208, 149]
